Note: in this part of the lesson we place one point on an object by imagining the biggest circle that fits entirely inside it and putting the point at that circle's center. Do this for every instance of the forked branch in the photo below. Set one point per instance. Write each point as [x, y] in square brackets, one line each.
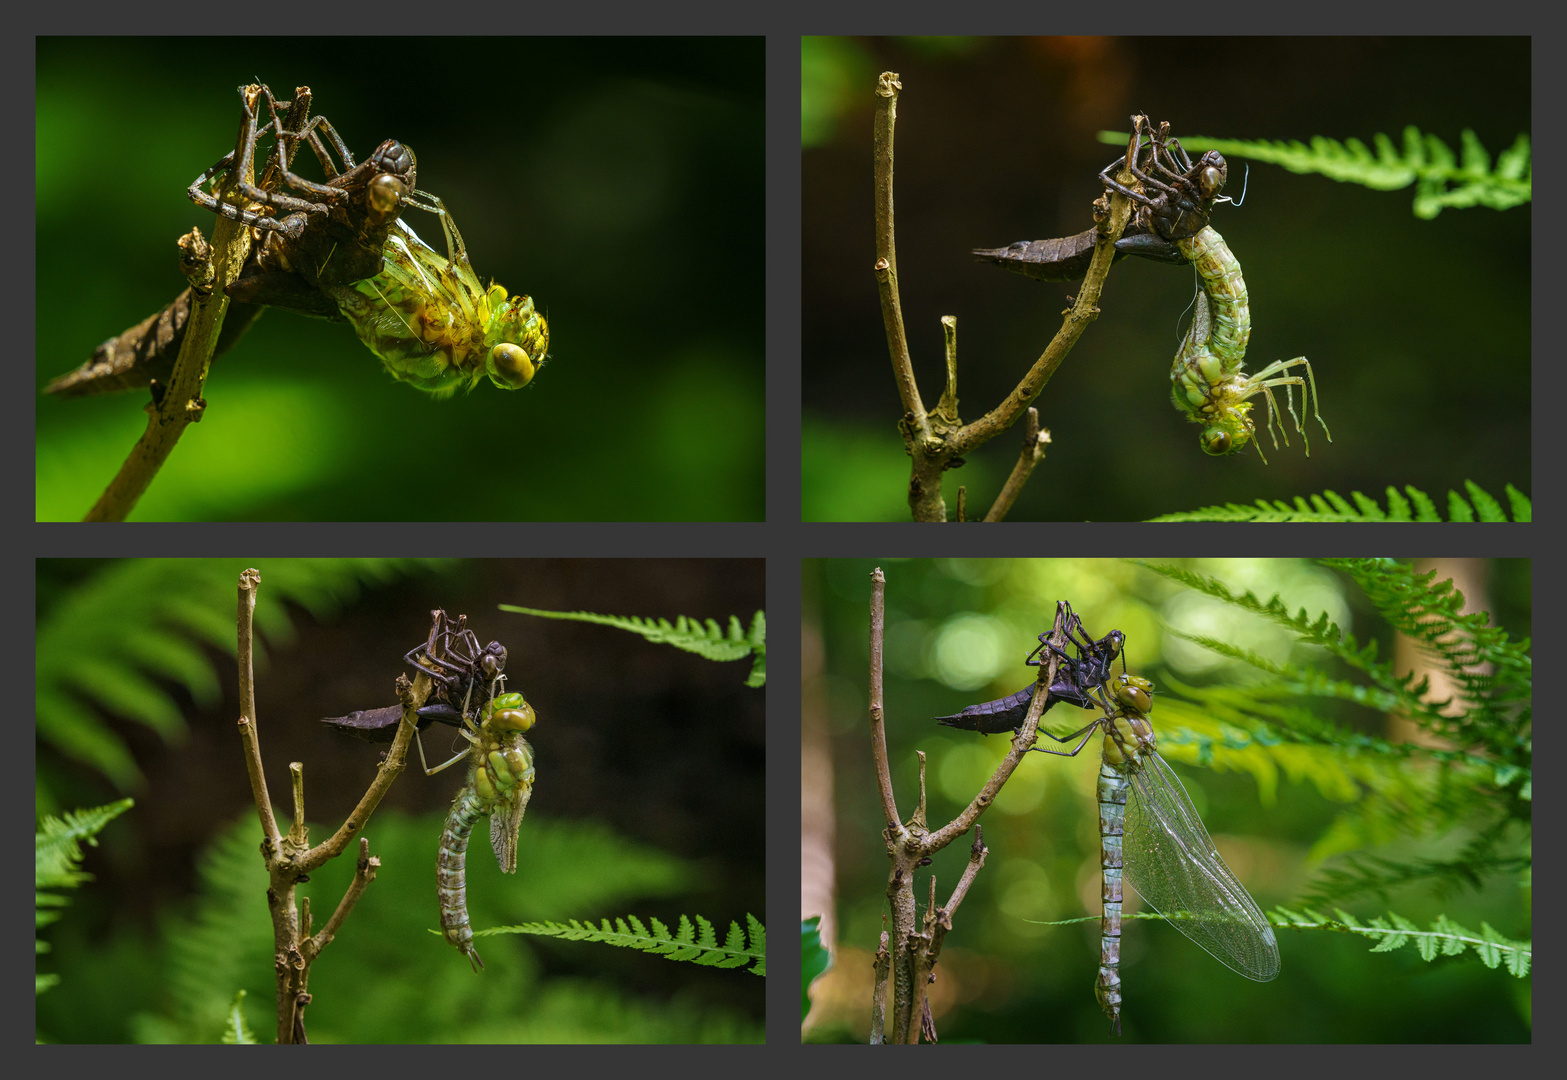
[181, 403]
[937, 441]
[909, 953]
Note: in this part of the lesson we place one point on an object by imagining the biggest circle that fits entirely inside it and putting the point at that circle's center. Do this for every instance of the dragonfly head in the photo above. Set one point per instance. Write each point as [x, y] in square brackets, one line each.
[1116, 642]
[510, 712]
[1212, 171]
[398, 173]
[1132, 692]
[521, 336]
[1227, 431]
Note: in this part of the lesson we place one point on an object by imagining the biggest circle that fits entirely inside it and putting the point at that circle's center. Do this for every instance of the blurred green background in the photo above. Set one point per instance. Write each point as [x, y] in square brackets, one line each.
[956, 634]
[612, 180]
[649, 800]
[1418, 331]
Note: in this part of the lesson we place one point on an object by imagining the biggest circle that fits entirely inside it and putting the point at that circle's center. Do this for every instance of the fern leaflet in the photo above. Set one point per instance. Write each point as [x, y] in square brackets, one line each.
[1426, 159]
[1330, 506]
[694, 944]
[235, 1030]
[1445, 938]
[706, 639]
[57, 863]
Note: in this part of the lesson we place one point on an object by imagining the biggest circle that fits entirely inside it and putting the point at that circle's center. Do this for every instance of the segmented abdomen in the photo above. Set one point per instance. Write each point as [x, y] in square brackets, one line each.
[1226, 290]
[451, 871]
[1113, 788]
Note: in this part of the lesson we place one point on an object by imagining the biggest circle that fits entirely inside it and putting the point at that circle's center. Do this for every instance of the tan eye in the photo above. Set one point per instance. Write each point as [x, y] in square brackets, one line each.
[1216, 442]
[510, 366]
[384, 193]
[1212, 182]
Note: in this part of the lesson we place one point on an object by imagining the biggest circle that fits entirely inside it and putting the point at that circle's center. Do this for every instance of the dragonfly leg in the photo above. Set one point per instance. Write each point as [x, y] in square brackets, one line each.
[1087, 733]
[450, 762]
[244, 163]
[1270, 376]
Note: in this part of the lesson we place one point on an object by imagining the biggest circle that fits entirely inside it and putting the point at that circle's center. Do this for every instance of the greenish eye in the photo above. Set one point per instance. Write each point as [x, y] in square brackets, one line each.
[510, 366]
[1216, 443]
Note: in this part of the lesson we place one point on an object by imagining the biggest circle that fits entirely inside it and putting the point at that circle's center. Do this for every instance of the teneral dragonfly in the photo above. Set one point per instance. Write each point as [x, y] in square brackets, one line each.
[1157, 842]
[432, 322]
[313, 244]
[470, 695]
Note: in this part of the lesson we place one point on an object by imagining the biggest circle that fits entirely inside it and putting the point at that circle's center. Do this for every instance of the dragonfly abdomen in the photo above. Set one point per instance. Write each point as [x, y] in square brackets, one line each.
[1226, 288]
[452, 871]
[1208, 383]
[1113, 788]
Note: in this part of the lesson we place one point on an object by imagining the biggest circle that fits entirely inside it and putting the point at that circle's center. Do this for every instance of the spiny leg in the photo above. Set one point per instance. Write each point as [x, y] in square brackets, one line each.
[1260, 381]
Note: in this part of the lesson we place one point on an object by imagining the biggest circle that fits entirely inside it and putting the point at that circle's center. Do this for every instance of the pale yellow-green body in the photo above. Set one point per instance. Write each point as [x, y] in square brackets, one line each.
[1207, 380]
[434, 325]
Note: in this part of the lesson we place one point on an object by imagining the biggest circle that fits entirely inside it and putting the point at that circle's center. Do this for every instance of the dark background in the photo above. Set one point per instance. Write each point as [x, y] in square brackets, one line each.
[1418, 331]
[610, 179]
[658, 746]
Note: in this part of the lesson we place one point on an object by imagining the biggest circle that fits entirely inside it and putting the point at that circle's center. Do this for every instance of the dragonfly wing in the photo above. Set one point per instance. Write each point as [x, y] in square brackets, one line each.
[1172, 863]
[505, 824]
[516, 758]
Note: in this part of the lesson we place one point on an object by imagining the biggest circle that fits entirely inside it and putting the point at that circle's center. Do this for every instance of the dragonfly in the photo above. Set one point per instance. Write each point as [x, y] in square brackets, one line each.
[1157, 842]
[434, 325]
[1171, 225]
[1074, 683]
[1208, 383]
[313, 244]
[469, 695]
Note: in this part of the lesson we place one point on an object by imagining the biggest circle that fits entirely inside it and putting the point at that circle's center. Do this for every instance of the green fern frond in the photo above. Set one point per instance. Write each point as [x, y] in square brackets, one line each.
[235, 1030]
[1369, 874]
[693, 944]
[1426, 159]
[1330, 506]
[1494, 674]
[1445, 938]
[57, 865]
[706, 639]
[111, 644]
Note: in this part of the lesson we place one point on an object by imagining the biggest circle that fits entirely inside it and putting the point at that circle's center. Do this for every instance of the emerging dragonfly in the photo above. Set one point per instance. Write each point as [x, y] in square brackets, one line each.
[1158, 842]
[470, 695]
[1084, 672]
[339, 251]
[434, 325]
[1207, 381]
[1171, 225]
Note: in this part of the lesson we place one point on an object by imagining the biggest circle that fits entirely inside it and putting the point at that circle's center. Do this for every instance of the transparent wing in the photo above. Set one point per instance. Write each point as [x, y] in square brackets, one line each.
[1173, 865]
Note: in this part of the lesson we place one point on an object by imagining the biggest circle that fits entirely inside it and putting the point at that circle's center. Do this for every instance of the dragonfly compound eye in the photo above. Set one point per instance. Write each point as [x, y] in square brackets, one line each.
[1133, 692]
[1216, 443]
[510, 367]
[1116, 641]
[509, 712]
[384, 194]
[1210, 179]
